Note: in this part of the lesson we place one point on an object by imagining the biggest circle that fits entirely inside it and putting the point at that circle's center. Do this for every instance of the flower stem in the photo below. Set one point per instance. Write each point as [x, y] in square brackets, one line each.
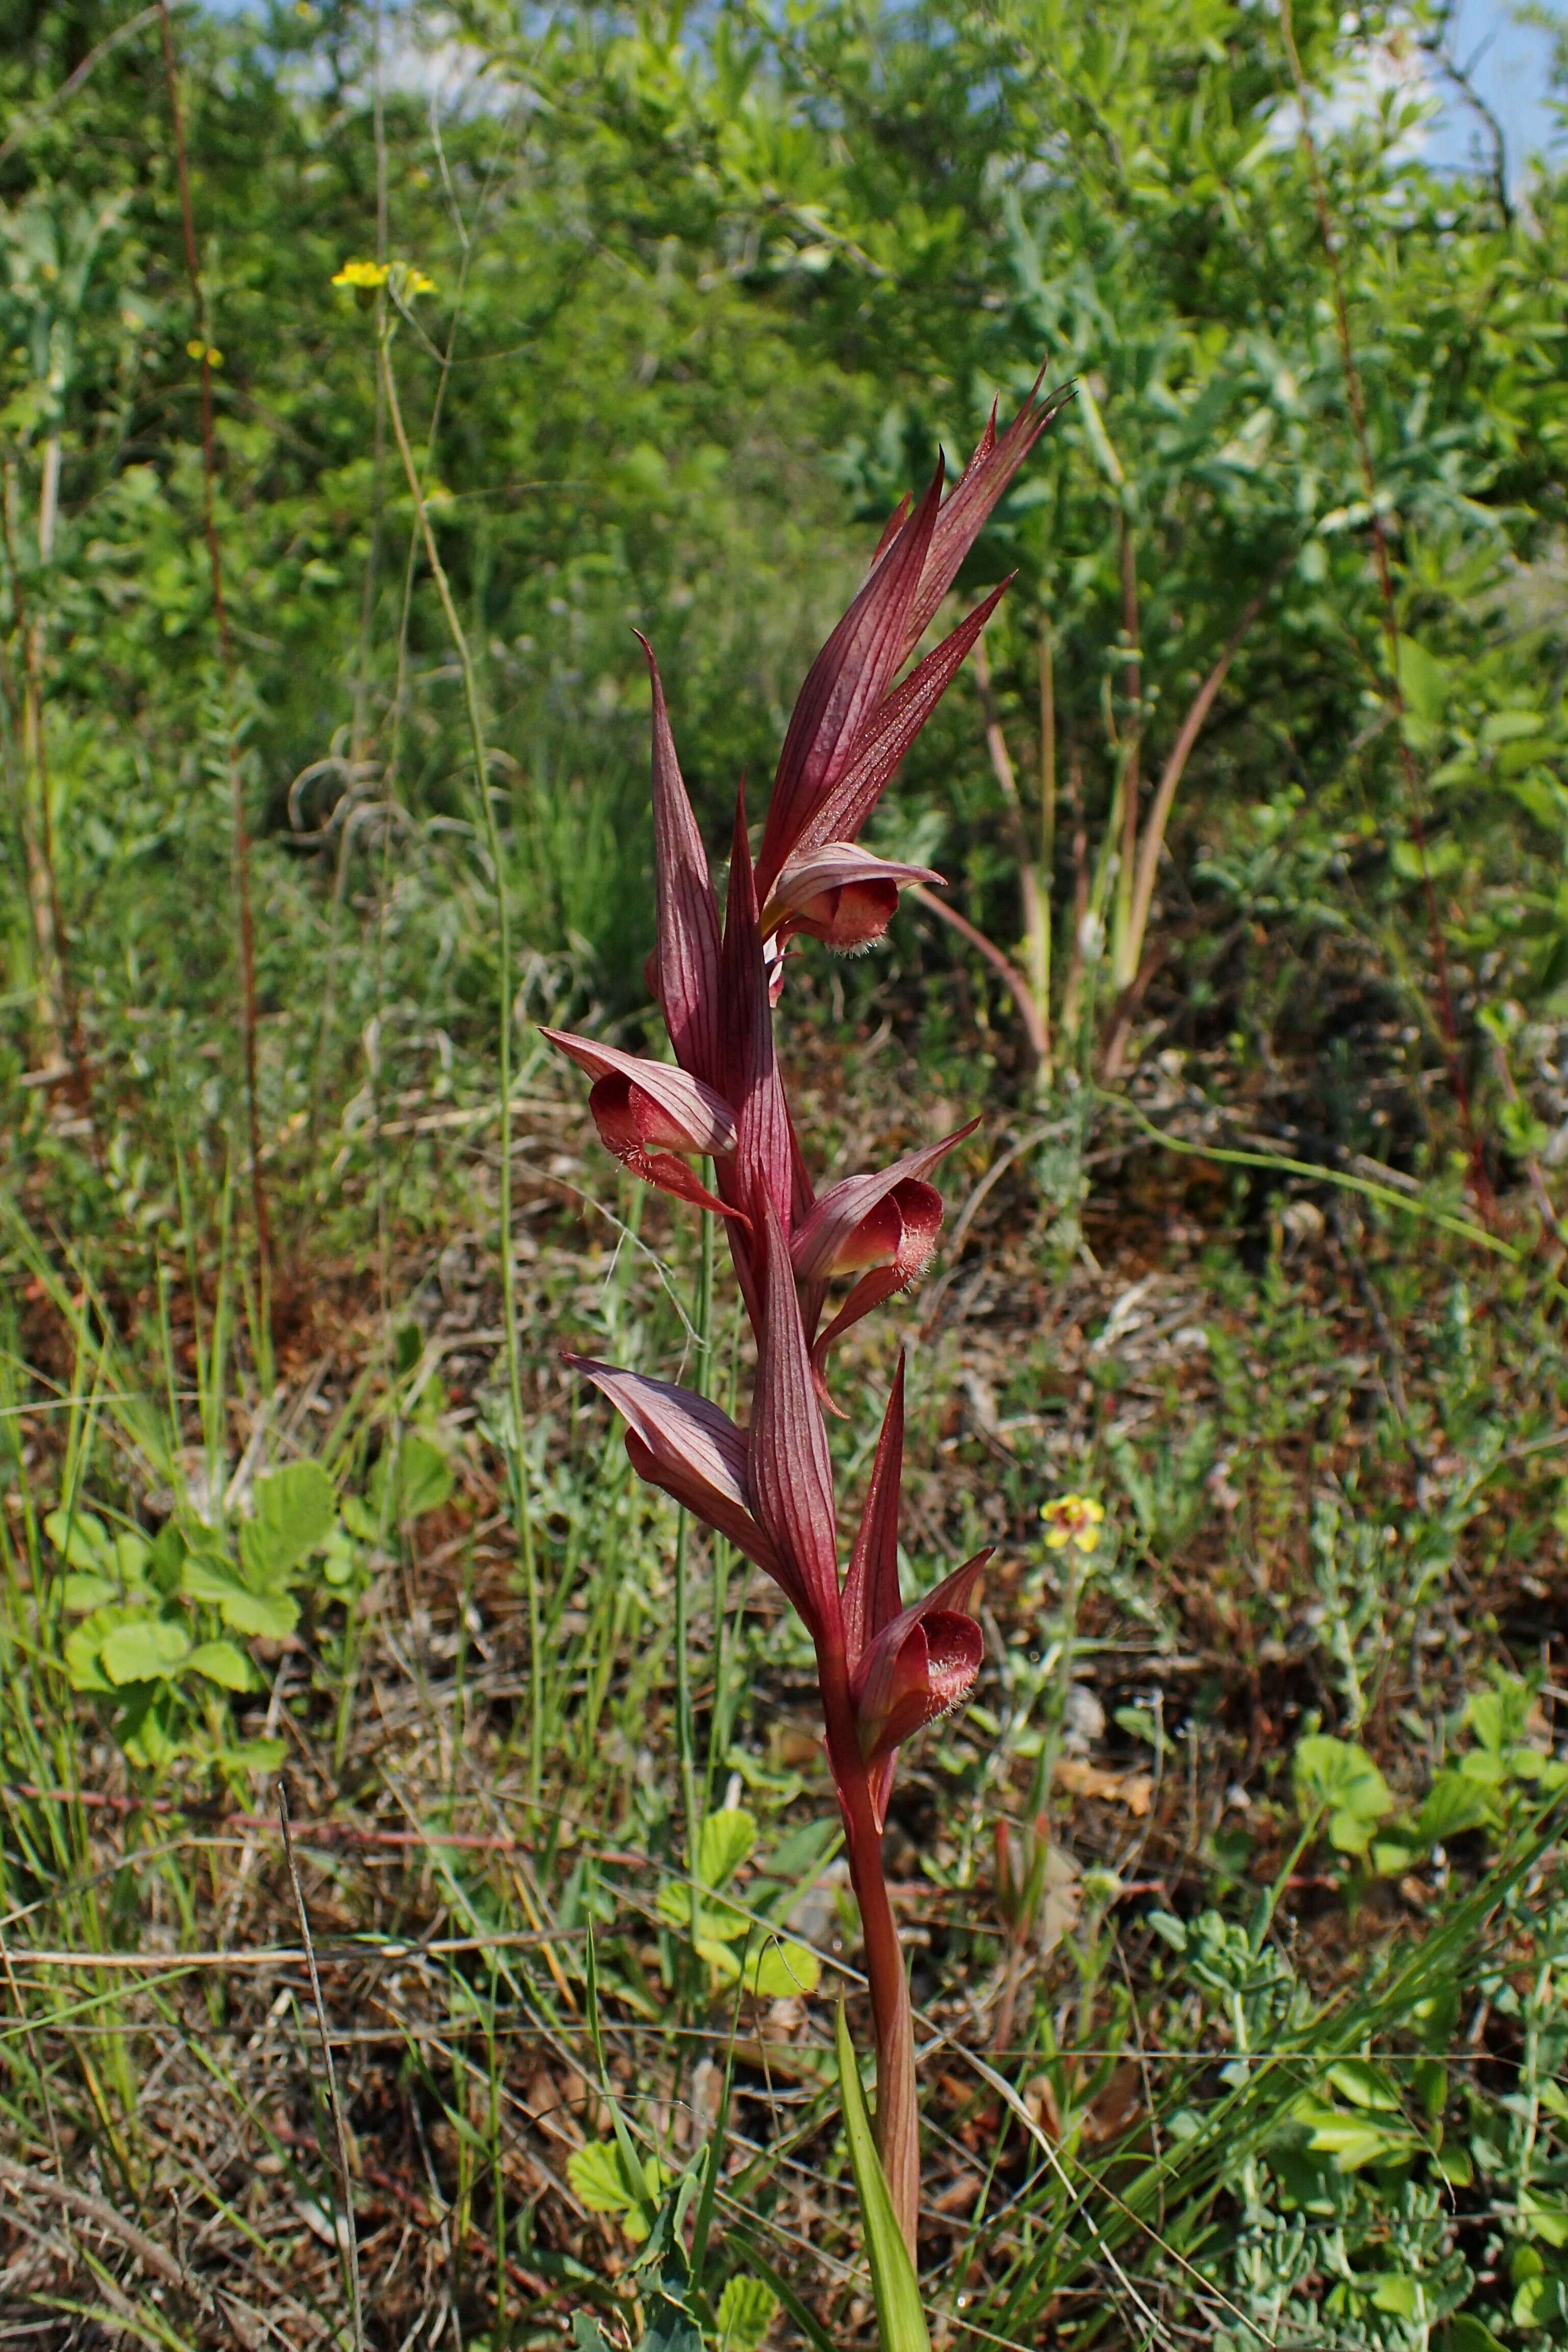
[898, 2116]
[685, 1730]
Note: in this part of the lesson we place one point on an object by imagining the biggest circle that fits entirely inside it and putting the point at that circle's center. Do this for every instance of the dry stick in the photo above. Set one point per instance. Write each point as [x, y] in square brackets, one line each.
[23, 2179]
[1036, 909]
[1048, 857]
[1072, 990]
[1158, 817]
[53, 942]
[1125, 960]
[351, 2242]
[1480, 1182]
[1006, 970]
[73, 81]
[1036, 1017]
[37, 833]
[241, 836]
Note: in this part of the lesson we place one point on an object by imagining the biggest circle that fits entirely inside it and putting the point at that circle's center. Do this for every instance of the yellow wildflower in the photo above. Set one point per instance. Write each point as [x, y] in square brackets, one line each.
[1072, 1520]
[368, 274]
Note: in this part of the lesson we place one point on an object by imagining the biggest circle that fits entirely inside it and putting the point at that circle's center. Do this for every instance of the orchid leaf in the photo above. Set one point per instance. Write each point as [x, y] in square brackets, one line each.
[895, 2289]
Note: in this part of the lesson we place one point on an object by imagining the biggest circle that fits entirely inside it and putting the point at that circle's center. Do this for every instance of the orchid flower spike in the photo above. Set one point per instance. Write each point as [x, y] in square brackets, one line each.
[883, 1669]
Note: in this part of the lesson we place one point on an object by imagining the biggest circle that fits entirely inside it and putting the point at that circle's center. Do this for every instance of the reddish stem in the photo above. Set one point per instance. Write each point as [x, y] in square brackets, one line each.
[898, 2120]
[240, 831]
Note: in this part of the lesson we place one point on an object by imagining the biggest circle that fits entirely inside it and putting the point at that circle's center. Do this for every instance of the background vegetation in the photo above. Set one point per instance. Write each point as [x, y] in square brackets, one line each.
[1257, 1245]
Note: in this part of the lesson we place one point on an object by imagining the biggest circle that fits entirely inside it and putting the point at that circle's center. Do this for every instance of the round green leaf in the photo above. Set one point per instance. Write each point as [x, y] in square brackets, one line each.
[144, 1651]
[222, 1663]
[746, 2311]
[295, 1510]
[726, 1843]
[778, 1971]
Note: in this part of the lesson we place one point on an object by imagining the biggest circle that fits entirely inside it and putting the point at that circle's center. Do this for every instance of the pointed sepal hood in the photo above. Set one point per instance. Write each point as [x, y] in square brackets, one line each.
[689, 1446]
[646, 1112]
[921, 1665]
[886, 1222]
[839, 894]
[871, 1586]
[686, 957]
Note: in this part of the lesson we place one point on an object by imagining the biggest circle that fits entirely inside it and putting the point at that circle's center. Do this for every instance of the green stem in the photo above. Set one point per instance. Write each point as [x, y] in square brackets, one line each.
[516, 1459]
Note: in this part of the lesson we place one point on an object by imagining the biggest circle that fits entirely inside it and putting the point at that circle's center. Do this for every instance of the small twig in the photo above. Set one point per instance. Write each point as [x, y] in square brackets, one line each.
[1175, 766]
[73, 81]
[102, 2215]
[351, 2243]
[1035, 911]
[1003, 965]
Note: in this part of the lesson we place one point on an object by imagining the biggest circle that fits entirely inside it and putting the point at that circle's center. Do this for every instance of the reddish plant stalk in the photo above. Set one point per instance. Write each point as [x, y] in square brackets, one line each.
[883, 1670]
[887, 1979]
[241, 833]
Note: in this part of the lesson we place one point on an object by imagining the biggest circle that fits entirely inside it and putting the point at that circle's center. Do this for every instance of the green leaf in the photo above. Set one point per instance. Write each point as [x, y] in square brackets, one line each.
[779, 1971]
[599, 2178]
[1363, 2085]
[144, 1651]
[746, 2311]
[586, 2334]
[81, 1655]
[271, 1615]
[424, 1479]
[1335, 1777]
[1541, 2299]
[1394, 2291]
[83, 1590]
[1454, 1803]
[1500, 1717]
[894, 2287]
[1466, 2333]
[1546, 2221]
[80, 1539]
[726, 1843]
[1352, 2140]
[1412, 862]
[717, 1922]
[222, 1663]
[339, 1559]
[254, 1755]
[1423, 682]
[414, 1478]
[294, 1511]
[670, 2328]
[130, 1553]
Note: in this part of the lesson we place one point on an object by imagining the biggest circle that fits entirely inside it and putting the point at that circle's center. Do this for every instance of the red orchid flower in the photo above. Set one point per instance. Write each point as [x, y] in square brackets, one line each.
[637, 1103]
[884, 1669]
[838, 894]
[887, 1222]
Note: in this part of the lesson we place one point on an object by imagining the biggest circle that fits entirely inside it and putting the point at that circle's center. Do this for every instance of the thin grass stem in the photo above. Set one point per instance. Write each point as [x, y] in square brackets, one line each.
[516, 1456]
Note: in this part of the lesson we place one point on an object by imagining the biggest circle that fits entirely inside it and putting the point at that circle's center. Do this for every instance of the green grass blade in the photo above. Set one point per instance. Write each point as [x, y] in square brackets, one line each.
[899, 2319]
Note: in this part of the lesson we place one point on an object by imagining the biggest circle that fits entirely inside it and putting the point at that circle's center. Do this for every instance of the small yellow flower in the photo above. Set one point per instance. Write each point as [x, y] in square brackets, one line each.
[200, 351]
[415, 282]
[1073, 1519]
[368, 274]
